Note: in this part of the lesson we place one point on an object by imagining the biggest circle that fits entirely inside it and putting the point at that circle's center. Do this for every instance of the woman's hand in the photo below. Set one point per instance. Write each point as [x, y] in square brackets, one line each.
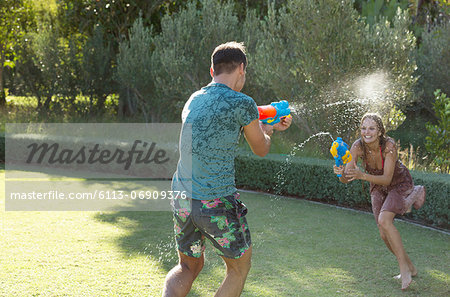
[338, 170]
[355, 173]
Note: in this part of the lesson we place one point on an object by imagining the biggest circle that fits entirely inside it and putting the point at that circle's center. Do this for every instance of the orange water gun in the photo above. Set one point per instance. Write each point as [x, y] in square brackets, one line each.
[273, 113]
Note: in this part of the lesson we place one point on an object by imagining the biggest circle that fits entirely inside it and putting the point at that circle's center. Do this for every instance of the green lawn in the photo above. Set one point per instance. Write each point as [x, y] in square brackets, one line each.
[300, 249]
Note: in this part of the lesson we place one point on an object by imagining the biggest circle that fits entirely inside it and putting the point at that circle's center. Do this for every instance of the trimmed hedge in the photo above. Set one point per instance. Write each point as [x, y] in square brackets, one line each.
[314, 179]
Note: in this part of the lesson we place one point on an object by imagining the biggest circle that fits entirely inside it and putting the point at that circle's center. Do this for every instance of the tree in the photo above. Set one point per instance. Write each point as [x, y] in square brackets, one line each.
[134, 72]
[96, 68]
[438, 140]
[115, 17]
[16, 16]
[433, 61]
[182, 51]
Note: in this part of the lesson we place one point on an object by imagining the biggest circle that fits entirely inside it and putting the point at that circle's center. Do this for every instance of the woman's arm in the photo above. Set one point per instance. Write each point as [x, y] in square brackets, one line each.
[356, 152]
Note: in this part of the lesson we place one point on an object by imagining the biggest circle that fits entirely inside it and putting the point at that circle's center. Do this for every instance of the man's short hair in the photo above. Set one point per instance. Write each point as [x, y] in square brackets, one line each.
[227, 57]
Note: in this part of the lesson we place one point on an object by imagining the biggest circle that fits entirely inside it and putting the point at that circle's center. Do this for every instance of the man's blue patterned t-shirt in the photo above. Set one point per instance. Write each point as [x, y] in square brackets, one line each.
[212, 119]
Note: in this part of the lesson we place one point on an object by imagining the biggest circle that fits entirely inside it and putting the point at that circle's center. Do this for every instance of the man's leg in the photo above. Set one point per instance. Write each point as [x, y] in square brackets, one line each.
[237, 270]
[179, 280]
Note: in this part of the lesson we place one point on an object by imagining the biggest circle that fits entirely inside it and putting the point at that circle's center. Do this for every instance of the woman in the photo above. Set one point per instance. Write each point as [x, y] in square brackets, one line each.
[391, 187]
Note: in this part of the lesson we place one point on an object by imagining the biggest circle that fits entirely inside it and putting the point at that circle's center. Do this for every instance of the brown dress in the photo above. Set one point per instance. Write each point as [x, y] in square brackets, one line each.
[393, 197]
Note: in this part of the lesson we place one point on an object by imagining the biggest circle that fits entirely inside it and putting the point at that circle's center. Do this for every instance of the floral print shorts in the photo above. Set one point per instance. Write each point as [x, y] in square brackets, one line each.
[222, 221]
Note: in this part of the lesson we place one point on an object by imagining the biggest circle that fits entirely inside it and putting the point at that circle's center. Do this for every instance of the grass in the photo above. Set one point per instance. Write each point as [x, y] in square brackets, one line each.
[300, 249]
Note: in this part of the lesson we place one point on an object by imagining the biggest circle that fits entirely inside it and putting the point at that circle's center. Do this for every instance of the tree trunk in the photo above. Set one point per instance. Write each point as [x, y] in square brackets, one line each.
[126, 103]
[47, 102]
[100, 108]
[2, 91]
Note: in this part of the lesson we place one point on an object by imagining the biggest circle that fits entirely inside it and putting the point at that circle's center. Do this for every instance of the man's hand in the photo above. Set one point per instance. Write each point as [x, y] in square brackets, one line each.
[283, 124]
[267, 129]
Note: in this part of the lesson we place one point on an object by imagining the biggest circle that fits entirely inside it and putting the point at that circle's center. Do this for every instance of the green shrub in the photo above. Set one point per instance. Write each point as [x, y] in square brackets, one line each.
[373, 10]
[134, 72]
[438, 141]
[304, 177]
[324, 59]
[96, 69]
[181, 57]
[39, 72]
[433, 60]
[314, 179]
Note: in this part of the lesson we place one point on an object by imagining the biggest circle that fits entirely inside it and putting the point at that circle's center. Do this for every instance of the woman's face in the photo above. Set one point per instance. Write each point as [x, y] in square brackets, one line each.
[369, 131]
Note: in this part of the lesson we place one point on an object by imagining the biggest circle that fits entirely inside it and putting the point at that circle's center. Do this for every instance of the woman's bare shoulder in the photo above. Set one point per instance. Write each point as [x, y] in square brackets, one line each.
[357, 145]
[391, 146]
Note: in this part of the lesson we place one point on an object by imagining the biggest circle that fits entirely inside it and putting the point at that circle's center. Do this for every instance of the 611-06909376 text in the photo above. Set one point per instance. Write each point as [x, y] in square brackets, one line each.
[100, 195]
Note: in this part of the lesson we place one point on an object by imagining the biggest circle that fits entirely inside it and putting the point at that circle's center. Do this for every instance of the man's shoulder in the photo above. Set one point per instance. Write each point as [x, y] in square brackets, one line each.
[218, 89]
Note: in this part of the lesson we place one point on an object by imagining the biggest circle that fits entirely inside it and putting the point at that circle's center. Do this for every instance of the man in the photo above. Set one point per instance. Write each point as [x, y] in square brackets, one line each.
[212, 121]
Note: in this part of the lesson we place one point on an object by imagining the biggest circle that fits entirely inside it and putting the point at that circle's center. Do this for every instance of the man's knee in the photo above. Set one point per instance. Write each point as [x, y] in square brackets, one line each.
[240, 271]
[240, 266]
[193, 265]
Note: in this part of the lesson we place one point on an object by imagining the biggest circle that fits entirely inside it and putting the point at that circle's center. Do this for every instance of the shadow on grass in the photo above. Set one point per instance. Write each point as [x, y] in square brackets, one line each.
[149, 234]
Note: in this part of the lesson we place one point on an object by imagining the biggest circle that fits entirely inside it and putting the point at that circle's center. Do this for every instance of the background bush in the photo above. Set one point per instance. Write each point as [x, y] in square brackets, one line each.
[182, 51]
[134, 72]
[335, 70]
[438, 141]
[433, 60]
[314, 179]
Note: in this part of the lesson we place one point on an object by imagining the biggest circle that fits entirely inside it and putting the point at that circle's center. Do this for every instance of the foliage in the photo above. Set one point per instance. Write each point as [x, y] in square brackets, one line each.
[56, 70]
[433, 61]
[181, 56]
[39, 71]
[134, 70]
[428, 14]
[374, 10]
[16, 17]
[260, 8]
[424, 14]
[97, 69]
[2, 146]
[334, 70]
[314, 179]
[438, 141]
[392, 47]
[116, 17]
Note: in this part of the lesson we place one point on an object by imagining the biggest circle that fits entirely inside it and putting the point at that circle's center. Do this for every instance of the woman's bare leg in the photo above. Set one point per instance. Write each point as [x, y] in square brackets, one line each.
[410, 264]
[394, 243]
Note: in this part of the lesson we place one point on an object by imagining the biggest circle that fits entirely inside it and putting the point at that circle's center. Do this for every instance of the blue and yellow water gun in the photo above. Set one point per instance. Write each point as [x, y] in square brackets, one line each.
[273, 113]
[340, 152]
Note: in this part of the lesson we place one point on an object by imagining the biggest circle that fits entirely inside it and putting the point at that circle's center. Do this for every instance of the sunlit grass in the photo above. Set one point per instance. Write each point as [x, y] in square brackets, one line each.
[299, 249]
